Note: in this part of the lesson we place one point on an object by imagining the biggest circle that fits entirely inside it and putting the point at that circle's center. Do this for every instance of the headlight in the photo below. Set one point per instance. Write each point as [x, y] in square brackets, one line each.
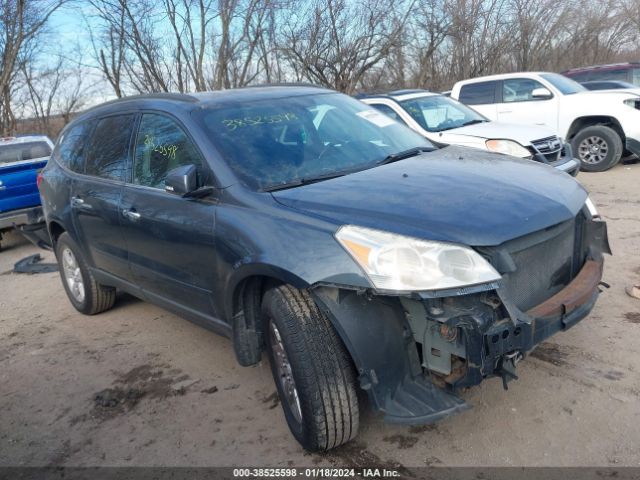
[508, 147]
[633, 103]
[591, 207]
[399, 263]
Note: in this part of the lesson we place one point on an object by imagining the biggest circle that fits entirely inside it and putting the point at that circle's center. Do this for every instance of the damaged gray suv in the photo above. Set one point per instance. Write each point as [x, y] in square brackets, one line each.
[302, 223]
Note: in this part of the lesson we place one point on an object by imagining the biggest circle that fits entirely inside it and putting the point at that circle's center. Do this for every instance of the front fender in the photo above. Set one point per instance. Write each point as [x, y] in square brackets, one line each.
[379, 339]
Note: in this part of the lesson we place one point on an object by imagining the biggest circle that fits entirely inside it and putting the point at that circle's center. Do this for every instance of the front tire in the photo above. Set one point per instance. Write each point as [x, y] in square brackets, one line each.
[598, 147]
[85, 293]
[312, 370]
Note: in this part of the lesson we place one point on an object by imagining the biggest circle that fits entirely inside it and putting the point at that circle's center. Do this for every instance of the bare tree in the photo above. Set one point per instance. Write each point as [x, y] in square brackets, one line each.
[22, 23]
[337, 43]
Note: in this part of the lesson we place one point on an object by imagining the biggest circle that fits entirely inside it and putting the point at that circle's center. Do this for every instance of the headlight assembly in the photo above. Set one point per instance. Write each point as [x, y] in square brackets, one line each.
[508, 147]
[399, 263]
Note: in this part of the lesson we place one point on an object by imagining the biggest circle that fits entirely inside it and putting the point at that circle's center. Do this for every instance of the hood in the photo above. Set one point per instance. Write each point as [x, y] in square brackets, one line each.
[455, 194]
[614, 95]
[523, 134]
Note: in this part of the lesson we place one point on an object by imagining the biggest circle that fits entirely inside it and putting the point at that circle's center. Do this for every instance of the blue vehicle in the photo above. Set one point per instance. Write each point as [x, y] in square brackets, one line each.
[21, 160]
[305, 225]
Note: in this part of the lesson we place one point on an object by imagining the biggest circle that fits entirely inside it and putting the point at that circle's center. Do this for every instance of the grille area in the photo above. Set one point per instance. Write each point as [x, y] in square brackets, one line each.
[544, 264]
[550, 147]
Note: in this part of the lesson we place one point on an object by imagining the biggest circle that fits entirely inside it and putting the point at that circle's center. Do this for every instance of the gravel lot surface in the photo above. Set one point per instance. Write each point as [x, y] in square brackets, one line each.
[140, 386]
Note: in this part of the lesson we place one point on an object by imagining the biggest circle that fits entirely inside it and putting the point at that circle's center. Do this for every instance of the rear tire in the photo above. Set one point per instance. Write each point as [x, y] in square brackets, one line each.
[85, 293]
[598, 147]
[317, 390]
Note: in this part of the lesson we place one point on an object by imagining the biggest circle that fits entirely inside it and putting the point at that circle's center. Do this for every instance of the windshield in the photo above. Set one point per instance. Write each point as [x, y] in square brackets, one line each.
[272, 142]
[565, 85]
[19, 152]
[437, 113]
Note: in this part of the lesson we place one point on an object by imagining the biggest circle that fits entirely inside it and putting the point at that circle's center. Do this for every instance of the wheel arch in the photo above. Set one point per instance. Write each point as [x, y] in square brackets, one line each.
[594, 120]
[55, 230]
[243, 306]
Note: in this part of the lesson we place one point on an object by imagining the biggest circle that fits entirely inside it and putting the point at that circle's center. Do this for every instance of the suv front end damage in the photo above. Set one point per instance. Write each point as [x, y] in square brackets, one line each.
[415, 352]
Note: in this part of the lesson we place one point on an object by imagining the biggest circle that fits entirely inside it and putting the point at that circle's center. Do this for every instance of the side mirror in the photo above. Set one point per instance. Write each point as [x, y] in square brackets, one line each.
[182, 180]
[541, 94]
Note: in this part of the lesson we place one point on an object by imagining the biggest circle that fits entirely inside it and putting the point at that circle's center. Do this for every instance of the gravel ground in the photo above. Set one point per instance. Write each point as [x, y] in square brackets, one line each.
[139, 386]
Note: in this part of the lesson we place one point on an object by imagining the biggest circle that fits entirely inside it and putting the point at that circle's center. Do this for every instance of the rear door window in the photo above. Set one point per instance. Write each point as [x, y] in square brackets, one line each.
[20, 152]
[480, 93]
[109, 147]
[161, 146]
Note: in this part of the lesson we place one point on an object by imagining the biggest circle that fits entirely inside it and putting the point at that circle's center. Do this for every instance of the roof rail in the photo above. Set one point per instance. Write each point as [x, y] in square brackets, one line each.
[287, 84]
[180, 97]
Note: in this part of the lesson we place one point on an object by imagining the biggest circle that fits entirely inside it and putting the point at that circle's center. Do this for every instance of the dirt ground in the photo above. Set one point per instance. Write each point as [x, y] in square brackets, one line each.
[140, 386]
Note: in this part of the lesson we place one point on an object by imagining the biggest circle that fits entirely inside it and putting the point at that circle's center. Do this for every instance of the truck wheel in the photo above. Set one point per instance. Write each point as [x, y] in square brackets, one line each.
[598, 147]
[312, 370]
[85, 293]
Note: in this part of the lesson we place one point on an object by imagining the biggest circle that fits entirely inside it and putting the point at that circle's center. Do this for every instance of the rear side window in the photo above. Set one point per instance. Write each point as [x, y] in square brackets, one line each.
[620, 74]
[20, 152]
[578, 77]
[478, 93]
[109, 147]
[72, 146]
[161, 146]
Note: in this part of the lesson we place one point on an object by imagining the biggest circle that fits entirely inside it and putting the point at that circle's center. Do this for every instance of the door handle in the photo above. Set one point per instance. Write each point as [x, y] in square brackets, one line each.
[131, 215]
[505, 111]
[79, 203]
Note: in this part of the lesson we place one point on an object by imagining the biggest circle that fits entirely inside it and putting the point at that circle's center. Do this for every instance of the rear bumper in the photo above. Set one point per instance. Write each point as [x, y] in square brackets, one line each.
[30, 223]
[24, 216]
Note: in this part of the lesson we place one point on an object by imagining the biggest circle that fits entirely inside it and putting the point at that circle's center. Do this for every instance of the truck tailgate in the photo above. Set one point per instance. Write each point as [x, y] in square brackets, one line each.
[18, 185]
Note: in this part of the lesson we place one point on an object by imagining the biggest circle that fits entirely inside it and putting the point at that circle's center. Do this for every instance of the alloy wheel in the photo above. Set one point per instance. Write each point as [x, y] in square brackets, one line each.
[593, 150]
[283, 369]
[73, 275]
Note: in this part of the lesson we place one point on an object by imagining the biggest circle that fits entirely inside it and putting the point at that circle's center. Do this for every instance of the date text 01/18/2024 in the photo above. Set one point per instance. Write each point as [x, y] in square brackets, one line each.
[316, 472]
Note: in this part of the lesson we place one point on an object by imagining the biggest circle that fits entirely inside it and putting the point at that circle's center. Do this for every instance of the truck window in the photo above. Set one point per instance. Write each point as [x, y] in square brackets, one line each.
[478, 93]
[109, 147]
[519, 90]
[19, 152]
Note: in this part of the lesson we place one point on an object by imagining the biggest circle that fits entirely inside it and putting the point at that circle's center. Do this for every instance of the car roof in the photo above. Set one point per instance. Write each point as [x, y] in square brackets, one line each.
[608, 66]
[399, 95]
[24, 139]
[613, 82]
[502, 76]
[251, 93]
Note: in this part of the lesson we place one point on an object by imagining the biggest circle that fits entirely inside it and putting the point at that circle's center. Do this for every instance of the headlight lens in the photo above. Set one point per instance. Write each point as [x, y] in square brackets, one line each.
[633, 103]
[508, 147]
[591, 207]
[399, 263]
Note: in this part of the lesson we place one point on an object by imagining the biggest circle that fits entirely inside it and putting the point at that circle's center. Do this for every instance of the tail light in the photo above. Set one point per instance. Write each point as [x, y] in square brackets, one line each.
[39, 179]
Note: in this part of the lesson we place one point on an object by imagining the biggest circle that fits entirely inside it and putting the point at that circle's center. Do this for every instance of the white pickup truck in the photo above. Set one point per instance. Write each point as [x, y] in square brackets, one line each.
[601, 125]
[444, 121]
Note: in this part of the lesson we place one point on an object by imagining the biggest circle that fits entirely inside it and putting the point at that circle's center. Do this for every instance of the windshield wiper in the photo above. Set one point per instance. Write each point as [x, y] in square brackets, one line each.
[473, 122]
[302, 181]
[411, 152]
